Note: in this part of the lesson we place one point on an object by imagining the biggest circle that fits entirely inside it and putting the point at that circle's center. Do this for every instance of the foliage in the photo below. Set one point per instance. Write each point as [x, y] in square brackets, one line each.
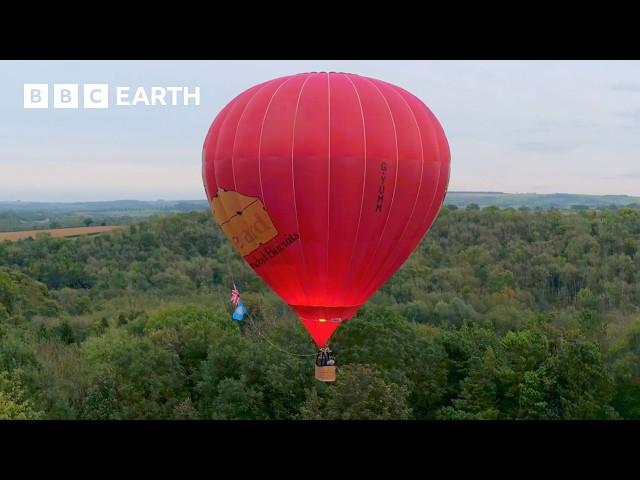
[360, 393]
[499, 314]
[13, 404]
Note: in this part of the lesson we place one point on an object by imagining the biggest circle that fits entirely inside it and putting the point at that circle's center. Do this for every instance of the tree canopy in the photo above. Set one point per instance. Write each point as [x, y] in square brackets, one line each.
[499, 314]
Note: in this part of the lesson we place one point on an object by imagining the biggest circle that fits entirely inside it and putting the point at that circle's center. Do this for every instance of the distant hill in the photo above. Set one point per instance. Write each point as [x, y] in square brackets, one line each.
[482, 199]
[16, 216]
[563, 201]
[116, 206]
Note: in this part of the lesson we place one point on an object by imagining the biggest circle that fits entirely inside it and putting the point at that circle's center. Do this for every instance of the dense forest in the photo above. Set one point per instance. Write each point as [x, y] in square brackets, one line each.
[499, 314]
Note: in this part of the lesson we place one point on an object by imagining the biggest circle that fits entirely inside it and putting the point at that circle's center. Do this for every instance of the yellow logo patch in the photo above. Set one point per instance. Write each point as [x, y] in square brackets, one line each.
[243, 219]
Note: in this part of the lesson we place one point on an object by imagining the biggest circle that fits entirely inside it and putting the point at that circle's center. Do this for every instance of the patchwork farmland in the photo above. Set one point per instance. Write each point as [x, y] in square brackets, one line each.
[57, 232]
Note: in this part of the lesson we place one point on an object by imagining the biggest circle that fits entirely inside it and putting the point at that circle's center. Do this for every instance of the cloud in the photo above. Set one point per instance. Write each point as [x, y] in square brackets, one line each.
[631, 114]
[581, 123]
[555, 125]
[541, 126]
[543, 148]
[625, 87]
[625, 176]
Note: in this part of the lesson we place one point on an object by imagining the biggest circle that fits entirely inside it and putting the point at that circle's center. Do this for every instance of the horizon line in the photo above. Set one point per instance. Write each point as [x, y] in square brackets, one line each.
[485, 192]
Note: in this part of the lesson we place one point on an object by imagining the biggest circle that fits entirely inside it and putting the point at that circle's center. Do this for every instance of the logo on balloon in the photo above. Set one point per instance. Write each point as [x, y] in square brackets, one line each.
[268, 253]
[243, 219]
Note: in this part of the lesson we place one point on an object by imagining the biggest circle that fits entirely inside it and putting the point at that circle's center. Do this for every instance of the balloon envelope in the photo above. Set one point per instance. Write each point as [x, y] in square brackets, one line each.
[325, 183]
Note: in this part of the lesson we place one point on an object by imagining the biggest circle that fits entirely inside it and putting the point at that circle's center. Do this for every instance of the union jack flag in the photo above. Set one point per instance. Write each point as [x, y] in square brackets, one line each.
[235, 295]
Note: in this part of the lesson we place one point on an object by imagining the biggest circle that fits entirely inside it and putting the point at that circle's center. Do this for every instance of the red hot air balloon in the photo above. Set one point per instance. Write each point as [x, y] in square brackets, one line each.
[325, 183]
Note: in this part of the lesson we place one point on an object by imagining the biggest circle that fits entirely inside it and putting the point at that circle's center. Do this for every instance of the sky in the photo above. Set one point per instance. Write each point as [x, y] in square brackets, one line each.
[512, 126]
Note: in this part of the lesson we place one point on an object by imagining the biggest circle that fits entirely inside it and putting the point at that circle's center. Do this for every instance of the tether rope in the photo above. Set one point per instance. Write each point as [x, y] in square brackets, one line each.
[257, 330]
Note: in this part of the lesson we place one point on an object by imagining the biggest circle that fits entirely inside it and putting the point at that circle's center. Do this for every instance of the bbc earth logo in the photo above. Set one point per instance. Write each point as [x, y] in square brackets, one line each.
[97, 96]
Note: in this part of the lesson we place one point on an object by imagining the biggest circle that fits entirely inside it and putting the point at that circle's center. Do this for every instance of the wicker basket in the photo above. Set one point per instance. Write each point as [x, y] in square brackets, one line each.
[326, 373]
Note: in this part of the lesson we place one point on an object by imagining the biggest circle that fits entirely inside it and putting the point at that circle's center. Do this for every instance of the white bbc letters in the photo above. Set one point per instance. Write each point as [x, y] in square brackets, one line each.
[65, 95]
[36, 95]
[95, 95]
